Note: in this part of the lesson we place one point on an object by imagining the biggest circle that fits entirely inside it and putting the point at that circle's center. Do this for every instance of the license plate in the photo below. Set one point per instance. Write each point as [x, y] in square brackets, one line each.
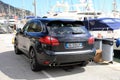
[73, 45]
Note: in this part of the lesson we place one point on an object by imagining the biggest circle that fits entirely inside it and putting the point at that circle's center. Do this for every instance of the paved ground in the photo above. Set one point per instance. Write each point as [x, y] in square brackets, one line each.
[16, 67]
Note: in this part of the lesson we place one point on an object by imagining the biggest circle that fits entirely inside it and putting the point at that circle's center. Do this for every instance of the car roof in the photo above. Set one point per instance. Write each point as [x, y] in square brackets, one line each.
[47, 20]
[54, 19]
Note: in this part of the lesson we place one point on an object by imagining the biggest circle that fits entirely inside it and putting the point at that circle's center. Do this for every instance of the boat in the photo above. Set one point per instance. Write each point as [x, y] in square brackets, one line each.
[107, 27]
[81, 11]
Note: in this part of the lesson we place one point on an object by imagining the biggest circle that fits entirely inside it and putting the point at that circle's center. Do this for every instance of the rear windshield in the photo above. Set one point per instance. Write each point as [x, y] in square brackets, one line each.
[63, 28]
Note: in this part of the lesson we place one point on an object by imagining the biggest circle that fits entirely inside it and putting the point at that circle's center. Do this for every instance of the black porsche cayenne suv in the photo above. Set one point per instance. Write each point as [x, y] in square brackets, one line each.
[54, 42]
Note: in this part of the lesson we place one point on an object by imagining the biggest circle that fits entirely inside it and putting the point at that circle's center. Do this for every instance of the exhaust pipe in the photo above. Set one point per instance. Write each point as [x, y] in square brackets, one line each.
[52, 64]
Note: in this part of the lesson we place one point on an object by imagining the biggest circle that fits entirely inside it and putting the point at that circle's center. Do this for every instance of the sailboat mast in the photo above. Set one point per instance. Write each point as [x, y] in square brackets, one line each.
[22, 8]
[9, 12]
[114, 11]
[34, 4]
[114, 6]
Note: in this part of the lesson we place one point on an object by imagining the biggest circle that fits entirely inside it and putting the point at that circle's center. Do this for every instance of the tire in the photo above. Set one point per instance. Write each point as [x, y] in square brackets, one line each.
[17, 51]
[33, 61]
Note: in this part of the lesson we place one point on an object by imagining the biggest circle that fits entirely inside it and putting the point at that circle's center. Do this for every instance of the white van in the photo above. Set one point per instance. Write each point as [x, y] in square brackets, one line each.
[12, 21]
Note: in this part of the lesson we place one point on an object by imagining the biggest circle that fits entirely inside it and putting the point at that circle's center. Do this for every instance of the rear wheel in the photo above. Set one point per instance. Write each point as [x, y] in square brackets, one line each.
[33, 61]
[17, 51]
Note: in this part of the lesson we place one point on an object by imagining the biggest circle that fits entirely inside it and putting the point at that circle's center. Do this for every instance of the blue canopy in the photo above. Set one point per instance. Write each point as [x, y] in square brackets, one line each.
[102, 24]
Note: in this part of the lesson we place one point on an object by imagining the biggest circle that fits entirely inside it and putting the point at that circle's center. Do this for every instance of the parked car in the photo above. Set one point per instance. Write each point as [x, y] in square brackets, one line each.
[54, 42]
[5, 28]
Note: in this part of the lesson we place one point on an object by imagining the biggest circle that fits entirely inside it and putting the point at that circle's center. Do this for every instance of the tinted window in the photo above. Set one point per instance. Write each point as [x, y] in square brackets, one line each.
[27, 27]
[62, 28]
[33, 27]
[37, 27]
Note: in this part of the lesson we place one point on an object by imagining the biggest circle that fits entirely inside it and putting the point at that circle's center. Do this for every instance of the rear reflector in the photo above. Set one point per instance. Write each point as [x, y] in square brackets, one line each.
[46, 62]
[91, 40]
[49, 40]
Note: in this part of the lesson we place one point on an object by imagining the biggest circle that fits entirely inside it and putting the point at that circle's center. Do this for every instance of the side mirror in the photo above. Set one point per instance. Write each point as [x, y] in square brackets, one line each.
[19, 30]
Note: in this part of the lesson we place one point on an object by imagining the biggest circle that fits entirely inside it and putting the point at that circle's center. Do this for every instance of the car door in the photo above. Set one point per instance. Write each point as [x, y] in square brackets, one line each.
[31, 34]
[27, 29]
[21, 36]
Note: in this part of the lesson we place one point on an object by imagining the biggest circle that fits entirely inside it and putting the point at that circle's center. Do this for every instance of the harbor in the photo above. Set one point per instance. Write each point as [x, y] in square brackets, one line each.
[103, 27]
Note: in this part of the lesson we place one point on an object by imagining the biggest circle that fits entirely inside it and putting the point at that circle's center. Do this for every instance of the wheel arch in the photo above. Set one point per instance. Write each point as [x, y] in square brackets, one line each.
[32, 47]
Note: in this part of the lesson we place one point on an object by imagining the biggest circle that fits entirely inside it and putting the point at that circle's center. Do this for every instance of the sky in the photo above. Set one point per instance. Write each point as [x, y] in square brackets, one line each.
[43, 6]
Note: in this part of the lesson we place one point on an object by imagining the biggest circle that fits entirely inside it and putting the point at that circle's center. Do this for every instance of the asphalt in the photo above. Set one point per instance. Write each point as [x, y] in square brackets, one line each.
[16, 67]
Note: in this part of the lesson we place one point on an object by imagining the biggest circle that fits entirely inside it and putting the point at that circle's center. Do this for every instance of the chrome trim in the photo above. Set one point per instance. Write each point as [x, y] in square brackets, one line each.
[75, 52]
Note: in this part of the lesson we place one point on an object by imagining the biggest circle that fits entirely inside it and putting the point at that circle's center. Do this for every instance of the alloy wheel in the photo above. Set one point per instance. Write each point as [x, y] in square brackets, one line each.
[33, 61]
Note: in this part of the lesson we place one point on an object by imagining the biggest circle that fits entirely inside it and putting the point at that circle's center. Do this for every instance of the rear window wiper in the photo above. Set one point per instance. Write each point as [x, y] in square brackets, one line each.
[78, 32]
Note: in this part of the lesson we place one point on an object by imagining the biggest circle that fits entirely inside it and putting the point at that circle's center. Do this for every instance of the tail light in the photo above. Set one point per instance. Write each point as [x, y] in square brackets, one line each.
[49, 40]
[91, 40]
[46, 62]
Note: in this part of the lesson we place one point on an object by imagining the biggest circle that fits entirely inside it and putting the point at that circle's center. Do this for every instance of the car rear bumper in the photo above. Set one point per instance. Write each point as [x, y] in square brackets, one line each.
[66, 58]
[73, 52]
